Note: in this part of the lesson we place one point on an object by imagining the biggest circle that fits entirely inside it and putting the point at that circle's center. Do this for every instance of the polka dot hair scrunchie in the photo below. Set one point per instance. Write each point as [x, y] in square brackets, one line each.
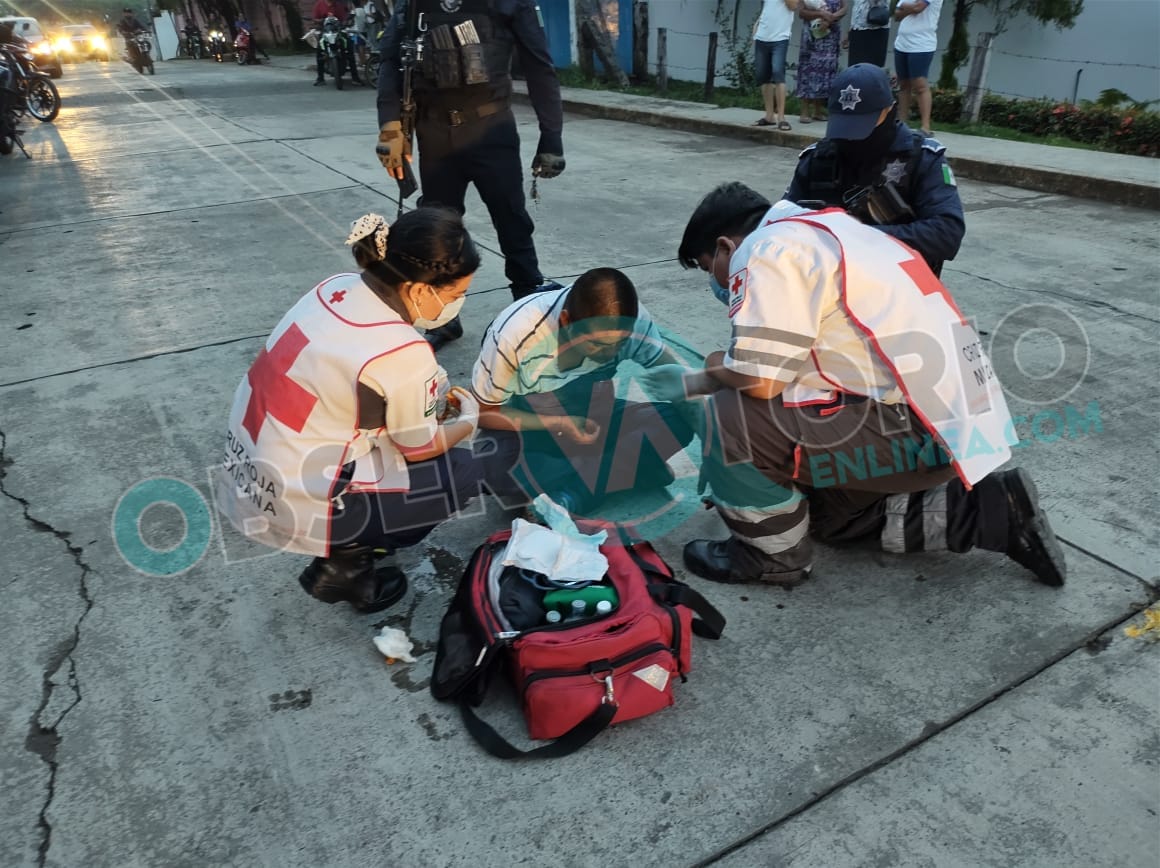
[367, 225]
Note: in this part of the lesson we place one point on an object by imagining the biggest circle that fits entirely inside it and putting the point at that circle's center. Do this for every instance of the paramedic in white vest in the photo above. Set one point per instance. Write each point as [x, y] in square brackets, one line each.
[854, 400]
[337, 445]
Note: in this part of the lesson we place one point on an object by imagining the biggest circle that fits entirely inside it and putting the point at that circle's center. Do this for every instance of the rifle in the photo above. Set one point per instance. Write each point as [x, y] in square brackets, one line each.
[410, 53]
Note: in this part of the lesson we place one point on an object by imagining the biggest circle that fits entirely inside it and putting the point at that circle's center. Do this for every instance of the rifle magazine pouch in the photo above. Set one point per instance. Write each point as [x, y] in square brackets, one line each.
[445, 67]
[474, 65]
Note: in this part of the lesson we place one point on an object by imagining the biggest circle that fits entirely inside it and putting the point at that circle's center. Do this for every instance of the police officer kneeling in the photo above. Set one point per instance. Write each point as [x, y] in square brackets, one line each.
[880, 170]
[854, 401]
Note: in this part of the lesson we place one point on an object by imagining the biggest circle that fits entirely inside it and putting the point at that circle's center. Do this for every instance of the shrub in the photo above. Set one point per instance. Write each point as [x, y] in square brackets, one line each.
[1132, 130]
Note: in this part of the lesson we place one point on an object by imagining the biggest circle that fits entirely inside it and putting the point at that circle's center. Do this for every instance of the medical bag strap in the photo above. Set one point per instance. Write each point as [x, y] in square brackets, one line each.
[709, 624]
[570, 742]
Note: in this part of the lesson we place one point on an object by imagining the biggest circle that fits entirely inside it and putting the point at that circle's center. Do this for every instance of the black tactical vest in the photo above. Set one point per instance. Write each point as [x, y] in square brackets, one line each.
[455, 69]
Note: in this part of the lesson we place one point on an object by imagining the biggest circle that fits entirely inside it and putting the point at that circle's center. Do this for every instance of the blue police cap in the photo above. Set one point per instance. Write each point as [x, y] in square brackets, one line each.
[857, 98]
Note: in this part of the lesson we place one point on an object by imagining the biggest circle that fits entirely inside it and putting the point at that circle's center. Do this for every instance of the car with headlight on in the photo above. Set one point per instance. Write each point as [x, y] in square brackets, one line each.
[77, 42]
[43, 53]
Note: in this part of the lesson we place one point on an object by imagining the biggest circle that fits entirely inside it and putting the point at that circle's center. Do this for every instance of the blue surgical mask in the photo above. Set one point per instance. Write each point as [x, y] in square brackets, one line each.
[719, 292]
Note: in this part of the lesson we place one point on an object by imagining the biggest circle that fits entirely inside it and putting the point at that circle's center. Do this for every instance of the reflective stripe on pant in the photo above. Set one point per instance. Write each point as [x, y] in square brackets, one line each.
[849, 458]
[770, 539]
[916, 522]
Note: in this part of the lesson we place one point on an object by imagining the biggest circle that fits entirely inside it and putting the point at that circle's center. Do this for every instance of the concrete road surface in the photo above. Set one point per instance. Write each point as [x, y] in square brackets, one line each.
[927, 711]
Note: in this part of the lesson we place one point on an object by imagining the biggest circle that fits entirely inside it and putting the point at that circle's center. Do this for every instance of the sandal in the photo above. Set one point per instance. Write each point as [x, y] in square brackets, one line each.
[762, 122]
[784, 125]
[803, 120]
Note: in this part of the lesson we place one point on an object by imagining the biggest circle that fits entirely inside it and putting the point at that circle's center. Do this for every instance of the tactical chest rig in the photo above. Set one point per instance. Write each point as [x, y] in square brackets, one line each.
[465, 71]
[882, 201]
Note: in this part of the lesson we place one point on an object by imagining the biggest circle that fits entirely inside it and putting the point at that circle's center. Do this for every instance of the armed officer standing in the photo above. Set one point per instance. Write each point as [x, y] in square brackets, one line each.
[880, 170]
[464, 124]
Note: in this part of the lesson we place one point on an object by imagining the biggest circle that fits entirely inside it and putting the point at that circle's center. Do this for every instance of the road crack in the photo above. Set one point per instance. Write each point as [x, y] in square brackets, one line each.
[44, 737]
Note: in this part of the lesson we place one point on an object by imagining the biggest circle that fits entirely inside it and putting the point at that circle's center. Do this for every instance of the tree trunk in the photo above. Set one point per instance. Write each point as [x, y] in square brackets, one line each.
[590, 21]
[959, 47]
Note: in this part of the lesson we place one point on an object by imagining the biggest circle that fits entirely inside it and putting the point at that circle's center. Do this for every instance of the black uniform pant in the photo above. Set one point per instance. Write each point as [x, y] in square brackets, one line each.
[783, 475]
[484, 152]
[440, 488]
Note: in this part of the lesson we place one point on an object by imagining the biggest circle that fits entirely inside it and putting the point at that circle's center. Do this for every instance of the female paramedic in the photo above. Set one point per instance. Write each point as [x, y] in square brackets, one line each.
[340, 439]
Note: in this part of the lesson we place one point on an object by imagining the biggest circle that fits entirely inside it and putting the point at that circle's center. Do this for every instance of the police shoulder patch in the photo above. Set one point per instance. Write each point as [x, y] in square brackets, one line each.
[933, 145]
[807, 150]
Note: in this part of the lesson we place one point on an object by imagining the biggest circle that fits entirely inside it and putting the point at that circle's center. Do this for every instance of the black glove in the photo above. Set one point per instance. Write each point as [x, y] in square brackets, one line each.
[547, 165]
[549, 159]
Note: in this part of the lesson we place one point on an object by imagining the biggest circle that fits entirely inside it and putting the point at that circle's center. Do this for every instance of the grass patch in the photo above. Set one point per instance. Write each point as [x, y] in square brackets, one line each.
[730, 97]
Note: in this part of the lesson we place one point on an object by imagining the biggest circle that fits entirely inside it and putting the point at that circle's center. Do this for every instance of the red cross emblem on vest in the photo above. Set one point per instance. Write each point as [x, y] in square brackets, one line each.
[337, 296]
[272, 392]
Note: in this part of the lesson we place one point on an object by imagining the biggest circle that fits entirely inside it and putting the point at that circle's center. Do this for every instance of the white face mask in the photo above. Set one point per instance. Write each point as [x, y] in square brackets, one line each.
[450, 311]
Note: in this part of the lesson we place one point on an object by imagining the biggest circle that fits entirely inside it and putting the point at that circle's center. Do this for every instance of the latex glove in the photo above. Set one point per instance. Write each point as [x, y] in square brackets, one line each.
[467, 406]
[665, 382]
[393, 149]
[546, 165]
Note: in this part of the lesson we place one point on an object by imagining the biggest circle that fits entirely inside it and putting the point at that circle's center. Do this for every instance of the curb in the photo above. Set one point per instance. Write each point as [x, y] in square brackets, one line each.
[1042, 180]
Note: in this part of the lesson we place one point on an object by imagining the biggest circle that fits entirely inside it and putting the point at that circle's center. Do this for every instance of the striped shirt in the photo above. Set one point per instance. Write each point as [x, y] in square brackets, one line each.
[789, 323]
[519, 352]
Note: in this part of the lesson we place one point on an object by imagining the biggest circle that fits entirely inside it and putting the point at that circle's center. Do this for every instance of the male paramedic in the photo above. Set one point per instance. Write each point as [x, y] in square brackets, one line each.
[854, 400]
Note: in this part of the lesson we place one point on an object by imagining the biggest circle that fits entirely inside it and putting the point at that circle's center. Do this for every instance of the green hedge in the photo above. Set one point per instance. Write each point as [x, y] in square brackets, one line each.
[1128, 131]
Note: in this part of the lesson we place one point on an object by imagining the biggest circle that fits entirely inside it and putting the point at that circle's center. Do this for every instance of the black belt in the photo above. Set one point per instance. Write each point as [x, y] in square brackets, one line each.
[458, 117]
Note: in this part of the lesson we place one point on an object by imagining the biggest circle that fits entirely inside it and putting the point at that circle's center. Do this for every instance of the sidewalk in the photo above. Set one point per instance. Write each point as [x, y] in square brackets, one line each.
[1116, 178]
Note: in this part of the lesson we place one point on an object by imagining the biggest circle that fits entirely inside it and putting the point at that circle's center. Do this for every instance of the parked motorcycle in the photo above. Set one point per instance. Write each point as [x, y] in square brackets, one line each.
[217, 45]
[193, 43]
[12, 106]
[335, 47]
[139, 52]
[35, 89]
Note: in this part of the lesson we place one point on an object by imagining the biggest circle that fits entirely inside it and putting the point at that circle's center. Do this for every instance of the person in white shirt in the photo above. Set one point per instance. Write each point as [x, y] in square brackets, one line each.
[770, 43]
[337, 445]
[914, 47]
[548, 404]
[854, 400]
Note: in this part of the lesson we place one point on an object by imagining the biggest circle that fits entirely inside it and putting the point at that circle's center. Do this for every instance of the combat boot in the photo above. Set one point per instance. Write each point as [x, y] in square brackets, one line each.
[732, 562]
[349, 576]
[445, 334]
[1030, 540]
[519, 292]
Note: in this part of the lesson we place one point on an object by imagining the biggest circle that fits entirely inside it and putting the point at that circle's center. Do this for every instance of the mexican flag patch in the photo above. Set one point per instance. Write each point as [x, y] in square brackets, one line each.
[948, 176]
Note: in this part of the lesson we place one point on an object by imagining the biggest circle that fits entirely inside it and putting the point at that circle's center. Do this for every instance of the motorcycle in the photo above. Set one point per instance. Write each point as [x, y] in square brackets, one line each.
[335, 47]
[11, 107]
[244, 50]
[193, 46]
[139, 52]
[217, 45]
[35, 89]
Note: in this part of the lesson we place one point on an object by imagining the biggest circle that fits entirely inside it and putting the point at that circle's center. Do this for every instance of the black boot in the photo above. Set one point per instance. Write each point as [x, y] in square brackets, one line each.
[519, 292]
[1030, 540]
[445, 334]
[732, 562]
[349, 576]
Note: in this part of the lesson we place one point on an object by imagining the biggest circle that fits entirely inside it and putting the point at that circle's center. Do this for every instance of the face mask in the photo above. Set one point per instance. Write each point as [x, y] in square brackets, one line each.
[875, 146]
[449, 312]
[719, 292]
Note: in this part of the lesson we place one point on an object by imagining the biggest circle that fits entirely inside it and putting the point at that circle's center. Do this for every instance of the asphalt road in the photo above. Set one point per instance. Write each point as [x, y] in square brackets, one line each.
[930, 710]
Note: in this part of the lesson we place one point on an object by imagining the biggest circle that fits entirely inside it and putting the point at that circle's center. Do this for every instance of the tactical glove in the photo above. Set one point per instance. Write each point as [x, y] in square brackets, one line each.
[393, 149]
[549, 159]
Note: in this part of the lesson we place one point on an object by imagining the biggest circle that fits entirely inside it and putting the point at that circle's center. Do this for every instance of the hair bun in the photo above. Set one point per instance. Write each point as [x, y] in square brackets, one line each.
[373, 226]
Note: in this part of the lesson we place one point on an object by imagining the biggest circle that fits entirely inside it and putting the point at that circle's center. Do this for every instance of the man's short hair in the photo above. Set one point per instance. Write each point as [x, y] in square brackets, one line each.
[602, 292]
[731, 209]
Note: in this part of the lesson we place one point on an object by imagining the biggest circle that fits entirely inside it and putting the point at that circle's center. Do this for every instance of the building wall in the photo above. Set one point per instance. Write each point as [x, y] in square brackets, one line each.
[1107, 32]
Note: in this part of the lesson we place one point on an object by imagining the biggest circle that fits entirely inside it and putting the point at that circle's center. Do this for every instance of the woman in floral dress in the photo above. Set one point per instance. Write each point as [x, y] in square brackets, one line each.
[818, 59]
